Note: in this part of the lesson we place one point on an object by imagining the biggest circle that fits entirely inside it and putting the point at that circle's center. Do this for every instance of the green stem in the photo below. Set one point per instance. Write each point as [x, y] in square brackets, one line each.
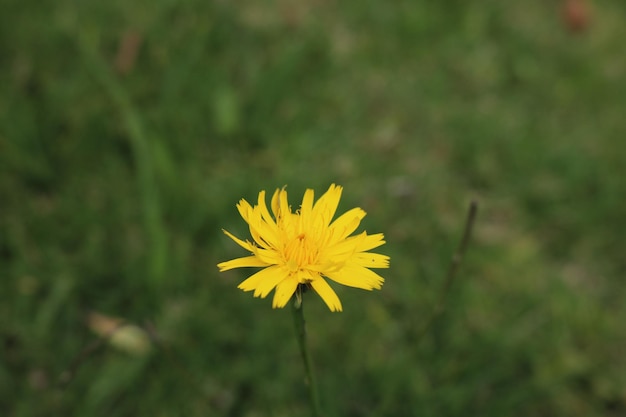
[298, 319]
[440, 307]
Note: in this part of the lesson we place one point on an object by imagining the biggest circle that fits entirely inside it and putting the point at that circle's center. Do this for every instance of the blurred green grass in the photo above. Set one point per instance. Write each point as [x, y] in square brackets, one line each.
[118, 174]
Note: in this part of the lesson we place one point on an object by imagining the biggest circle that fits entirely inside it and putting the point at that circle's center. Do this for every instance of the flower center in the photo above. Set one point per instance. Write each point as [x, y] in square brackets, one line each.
[300, 252]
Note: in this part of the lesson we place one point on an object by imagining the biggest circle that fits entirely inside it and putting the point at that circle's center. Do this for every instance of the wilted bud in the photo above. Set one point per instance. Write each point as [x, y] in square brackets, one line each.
[123, 336]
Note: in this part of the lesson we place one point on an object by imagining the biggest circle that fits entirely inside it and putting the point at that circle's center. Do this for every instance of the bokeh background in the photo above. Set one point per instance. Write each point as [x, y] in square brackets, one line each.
[129, 131]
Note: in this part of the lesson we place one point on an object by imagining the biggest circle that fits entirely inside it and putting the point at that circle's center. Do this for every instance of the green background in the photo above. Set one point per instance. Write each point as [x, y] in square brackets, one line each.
[118, 171]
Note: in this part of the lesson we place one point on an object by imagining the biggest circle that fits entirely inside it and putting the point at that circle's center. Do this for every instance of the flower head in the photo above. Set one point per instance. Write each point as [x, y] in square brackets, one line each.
[305, 246]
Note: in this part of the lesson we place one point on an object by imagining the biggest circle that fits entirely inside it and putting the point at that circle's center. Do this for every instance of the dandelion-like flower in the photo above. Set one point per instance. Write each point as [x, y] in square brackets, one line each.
[305, 247]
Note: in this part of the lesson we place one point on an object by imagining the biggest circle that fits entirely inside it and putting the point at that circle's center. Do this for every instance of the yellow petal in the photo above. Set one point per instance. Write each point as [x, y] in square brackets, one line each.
[248, 261]
[371, 260]
[307, 202]
[253, 282]
[259, 234]
[245, 245]
[244, 209]
[265, 234]
[345, 248]
[357, 277]
[275, 204]
[371, 242]
[327, 293]
[361, 243]
[270, 280]
[284, 292]
[269, 256]
[263, 207]
[347, 223]
[283, 205]
[327, 204]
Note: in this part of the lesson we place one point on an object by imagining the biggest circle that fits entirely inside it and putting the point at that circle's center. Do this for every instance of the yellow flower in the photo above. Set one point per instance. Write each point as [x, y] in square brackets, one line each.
[305, 246]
